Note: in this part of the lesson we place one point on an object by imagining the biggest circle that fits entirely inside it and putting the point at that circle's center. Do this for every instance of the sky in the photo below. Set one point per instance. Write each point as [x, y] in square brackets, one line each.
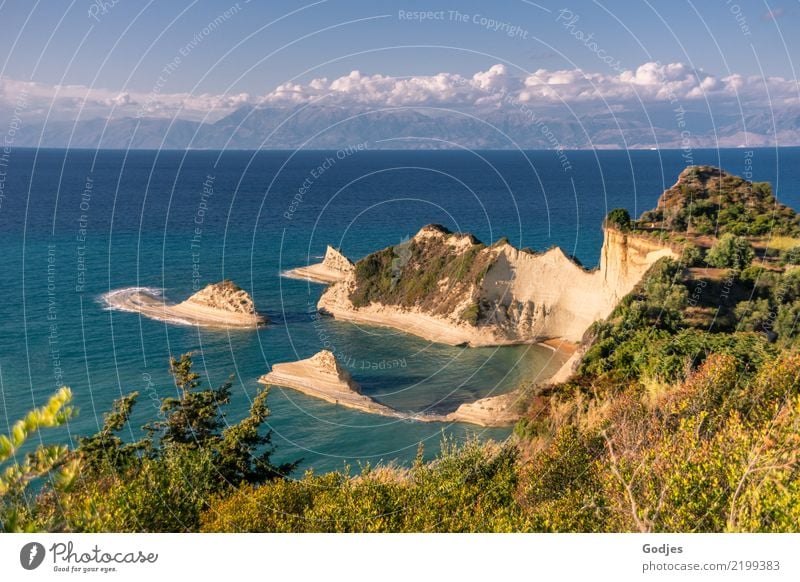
[202, 60]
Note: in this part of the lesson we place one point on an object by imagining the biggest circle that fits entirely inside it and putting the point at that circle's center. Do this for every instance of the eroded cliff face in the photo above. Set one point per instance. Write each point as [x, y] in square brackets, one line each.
[325, 363]
[451, 288]
[626, 257]
[336, 261]
[537, 296]
[334, 267]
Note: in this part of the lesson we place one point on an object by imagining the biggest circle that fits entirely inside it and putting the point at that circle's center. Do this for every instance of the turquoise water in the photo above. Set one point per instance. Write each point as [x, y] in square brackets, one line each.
[75, 225]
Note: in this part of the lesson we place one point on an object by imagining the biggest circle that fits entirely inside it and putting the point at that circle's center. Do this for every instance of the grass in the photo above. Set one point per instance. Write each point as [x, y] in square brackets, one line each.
[780, 243]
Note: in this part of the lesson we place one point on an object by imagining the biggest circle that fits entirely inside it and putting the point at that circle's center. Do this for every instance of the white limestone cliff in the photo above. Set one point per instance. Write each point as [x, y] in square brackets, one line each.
[522, 297]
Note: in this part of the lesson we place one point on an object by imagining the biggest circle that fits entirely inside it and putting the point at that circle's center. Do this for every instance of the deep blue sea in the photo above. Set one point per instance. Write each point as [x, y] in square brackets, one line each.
[75, 225]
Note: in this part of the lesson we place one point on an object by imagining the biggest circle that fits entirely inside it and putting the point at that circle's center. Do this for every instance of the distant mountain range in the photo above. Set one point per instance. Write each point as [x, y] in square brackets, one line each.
[326, 127]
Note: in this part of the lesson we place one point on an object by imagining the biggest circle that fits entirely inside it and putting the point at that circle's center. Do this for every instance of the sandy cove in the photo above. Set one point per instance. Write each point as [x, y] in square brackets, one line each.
[503, 410]
[150, 303]
[532, 298]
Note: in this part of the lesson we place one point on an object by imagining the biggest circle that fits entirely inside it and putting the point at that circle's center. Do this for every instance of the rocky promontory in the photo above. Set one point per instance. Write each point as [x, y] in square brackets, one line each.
[222, 304]
[451, 288]
[321, 376]
[334, 267]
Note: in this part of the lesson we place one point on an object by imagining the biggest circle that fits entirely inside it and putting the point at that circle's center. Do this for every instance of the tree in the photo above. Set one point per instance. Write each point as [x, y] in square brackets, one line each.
[194, 418]
[730, 252]
[243, 455]
[691, 256]
[791, 256]
[240, 453]
[755, 315]
[105, 450]
[190, 456]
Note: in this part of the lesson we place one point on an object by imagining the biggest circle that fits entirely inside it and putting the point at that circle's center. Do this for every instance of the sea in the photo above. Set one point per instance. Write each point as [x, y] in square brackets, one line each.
[78, 224]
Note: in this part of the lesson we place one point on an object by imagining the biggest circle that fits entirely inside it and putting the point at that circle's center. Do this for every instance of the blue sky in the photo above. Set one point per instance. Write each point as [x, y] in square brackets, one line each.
[125, 46]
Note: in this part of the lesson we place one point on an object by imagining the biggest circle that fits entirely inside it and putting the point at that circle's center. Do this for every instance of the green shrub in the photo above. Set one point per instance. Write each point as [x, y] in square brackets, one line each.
[755, 315]
[560, 487]
[472, 313]
[46, 465]
[374, 274]
[791, 256]
[471, 487]
[691, 256]
[620, 218]
[730, 252]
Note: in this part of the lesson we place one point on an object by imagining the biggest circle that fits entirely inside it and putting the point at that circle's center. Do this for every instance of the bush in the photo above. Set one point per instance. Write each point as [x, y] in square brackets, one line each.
[730, 252]
[374, 274]
[45, 466]
[472, 313]
[791, 256]
[787, 323]
[620, 218]
[419, 273]
[716, 451]
[560, 486]
[471, 487]
[692, 256]
[755, 315]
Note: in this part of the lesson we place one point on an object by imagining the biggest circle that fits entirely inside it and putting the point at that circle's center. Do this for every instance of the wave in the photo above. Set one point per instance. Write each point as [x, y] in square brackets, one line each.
[128, 300]
[119, 299]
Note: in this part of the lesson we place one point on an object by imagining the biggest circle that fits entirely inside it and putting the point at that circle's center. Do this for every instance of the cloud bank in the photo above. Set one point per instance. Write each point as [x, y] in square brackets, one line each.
[650, 83]
[647, 83]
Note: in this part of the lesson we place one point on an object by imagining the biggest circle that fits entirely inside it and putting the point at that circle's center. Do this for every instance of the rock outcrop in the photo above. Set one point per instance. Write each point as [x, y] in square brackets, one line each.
[334, 267]
[222, 304]
[336, 261]
[321, 376]
[449, 287]
[224, 296]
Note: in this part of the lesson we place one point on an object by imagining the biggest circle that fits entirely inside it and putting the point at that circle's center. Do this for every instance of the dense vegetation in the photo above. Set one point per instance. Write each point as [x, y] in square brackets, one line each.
[683, 416]
[423, 272]
[707, 200]
[162, 482]
[715, 452]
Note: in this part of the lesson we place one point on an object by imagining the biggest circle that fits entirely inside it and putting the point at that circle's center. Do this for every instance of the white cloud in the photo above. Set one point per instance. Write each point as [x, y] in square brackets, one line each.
[357, 88]
[650, 82]
[653, 82]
